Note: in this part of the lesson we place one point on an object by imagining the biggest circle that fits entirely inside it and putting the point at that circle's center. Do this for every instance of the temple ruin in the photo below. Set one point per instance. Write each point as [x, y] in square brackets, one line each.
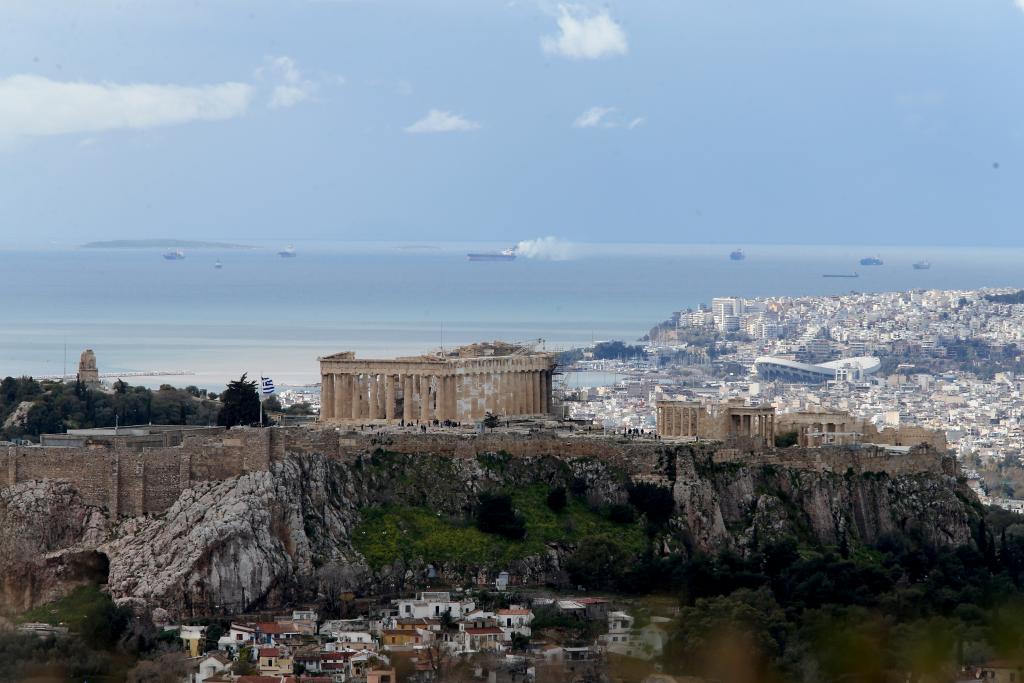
[461, 385]
[731, 422]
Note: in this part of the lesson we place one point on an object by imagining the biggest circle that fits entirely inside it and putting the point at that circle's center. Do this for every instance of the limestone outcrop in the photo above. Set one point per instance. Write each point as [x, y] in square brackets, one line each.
[257, 539]
[48, 540]
[261, 539]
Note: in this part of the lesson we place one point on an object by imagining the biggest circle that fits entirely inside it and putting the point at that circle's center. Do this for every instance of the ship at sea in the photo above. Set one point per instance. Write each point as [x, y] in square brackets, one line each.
[218, 265]
[841, 275]
[288, 252]
[922, 265]
[503, 255]
[174, 255]
[872, 261]
[737, 255]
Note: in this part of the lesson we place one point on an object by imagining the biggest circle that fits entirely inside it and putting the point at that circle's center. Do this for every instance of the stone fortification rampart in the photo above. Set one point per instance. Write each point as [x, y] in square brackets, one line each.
[130, 482]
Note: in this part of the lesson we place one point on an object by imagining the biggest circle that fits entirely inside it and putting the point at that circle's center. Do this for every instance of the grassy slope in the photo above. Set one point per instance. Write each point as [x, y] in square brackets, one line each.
[69, 610]
[390, 532]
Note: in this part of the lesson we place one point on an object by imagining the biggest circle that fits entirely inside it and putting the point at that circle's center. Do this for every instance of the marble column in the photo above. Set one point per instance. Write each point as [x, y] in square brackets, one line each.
[535, 380]
[545, 392]
[424, 397]
[524, 392]
[441, 409]
[326, 397]
[342, 396]
[407, 405]
[373, 409]
[389, 397]
[356, 404]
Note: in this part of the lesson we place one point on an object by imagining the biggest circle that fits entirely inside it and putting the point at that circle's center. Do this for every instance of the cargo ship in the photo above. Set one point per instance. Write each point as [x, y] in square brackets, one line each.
[174, 255]
[287, 252]
[503, 255]
[737, 255]
[922, 265]
[872, 261]
[841, 275]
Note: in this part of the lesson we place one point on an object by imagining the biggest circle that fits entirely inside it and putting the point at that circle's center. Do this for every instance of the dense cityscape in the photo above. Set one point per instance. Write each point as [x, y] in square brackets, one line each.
[949, 360]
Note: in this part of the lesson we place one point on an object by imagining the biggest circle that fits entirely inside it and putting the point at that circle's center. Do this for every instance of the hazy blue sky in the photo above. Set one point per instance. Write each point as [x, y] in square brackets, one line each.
[731, 121]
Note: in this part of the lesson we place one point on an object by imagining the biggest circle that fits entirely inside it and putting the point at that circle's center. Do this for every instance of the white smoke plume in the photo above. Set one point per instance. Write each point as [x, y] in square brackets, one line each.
[546, 248]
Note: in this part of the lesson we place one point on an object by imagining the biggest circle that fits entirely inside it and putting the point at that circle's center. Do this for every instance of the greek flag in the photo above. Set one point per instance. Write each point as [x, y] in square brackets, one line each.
[266, 386]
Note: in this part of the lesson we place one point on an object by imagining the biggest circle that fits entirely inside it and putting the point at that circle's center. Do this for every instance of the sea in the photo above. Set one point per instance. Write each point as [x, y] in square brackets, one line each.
[266, 315]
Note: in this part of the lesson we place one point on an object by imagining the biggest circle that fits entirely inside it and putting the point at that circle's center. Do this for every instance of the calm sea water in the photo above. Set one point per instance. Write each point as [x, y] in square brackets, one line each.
[263, 314]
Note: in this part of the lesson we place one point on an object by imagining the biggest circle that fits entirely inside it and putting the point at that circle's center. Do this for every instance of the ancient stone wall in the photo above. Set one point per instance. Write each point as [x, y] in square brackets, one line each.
[922, 459]
[147, 481]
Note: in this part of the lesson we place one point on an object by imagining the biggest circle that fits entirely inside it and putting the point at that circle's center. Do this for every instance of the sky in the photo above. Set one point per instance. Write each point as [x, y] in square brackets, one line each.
[888, 122]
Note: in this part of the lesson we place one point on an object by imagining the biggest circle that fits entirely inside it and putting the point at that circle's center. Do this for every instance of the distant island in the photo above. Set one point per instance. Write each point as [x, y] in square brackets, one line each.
[163, 244]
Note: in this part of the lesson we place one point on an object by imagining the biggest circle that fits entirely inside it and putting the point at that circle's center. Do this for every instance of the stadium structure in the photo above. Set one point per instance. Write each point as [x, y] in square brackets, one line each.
[844, 369]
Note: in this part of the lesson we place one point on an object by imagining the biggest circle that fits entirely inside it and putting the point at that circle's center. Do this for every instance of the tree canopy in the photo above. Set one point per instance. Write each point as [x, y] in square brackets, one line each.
[240, 403]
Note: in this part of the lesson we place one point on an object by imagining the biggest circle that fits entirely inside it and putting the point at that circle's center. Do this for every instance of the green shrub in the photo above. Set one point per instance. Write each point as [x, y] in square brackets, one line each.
[654, 501]
[621, 514]
[557, 499]
[495, 515]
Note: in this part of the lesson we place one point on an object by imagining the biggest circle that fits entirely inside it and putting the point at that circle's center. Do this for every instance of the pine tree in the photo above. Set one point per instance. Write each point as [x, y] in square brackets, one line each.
[240, 404]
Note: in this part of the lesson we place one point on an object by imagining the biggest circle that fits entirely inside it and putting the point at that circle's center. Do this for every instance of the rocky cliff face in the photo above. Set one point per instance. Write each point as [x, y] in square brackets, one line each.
[48, 538]
[258, 539]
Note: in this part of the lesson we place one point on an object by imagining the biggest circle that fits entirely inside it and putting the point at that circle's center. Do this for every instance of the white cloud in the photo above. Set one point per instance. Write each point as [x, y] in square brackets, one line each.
[586, 36]
[437, 121]
[1019, 4]
[606, 117]
[35, 105]
[593, 118]
[291, 87]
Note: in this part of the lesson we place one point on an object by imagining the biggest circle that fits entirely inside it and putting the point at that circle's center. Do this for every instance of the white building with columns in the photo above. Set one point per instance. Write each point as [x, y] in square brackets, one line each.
[462, 385]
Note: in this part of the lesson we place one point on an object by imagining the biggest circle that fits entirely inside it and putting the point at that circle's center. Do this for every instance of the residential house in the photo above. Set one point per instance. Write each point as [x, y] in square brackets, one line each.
[403, 640]
[515, 620]
[193, 639]
[310, 660]
[596, 608]
[479, 639]
[210, 666]
[432, 604]
[333, 627]
[303, 621]
[381, 676]
[353, 640]
[274, 633]
[620, 638]
[275, 661]
[238, 636]
[335, 663]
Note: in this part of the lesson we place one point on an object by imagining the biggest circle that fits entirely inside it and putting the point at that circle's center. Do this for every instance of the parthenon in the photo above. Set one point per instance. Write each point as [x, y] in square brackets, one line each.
[460, 385]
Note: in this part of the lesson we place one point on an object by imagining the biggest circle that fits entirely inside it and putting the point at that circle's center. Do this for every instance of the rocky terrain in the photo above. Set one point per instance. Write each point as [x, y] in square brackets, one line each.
[48, 541]
[261, 539]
